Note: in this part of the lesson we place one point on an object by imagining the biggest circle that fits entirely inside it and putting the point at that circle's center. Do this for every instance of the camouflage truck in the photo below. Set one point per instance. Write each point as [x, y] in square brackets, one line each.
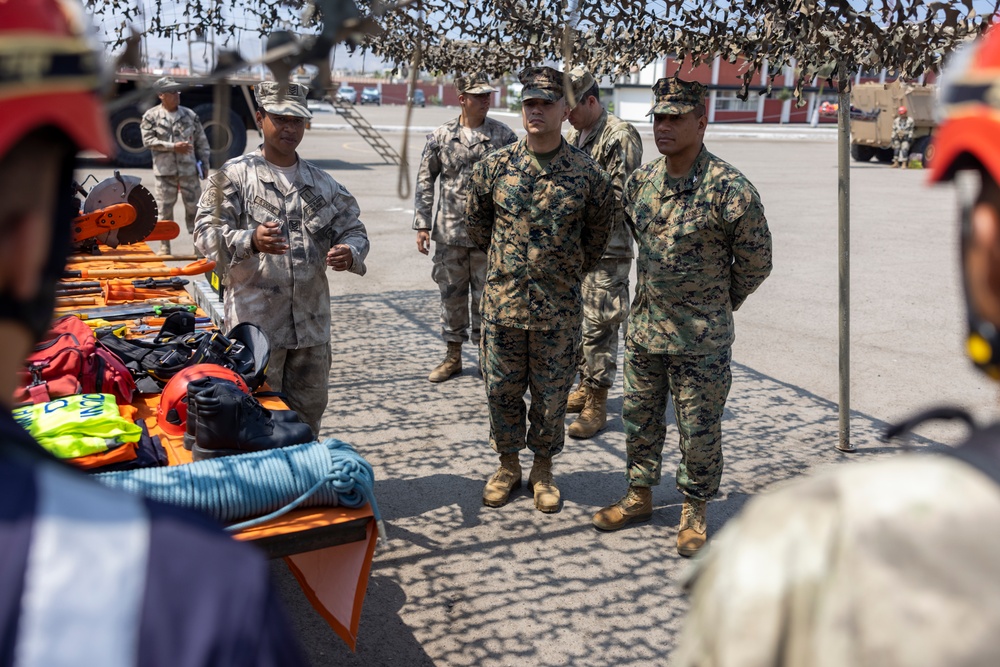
[873, 108]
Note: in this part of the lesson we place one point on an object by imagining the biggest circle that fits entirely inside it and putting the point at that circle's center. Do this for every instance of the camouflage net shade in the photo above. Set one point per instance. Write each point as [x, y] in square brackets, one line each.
[831, 38]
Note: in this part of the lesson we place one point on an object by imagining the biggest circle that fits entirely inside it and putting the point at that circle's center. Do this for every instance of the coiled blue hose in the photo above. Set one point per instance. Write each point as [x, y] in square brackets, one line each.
[268, 483]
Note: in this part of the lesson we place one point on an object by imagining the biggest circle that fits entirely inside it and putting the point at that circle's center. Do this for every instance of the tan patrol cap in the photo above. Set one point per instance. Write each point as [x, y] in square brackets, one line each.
[167, 84]
[292, 104]
[674, 97]
[474, 84]
[541, 83]
[582, 81]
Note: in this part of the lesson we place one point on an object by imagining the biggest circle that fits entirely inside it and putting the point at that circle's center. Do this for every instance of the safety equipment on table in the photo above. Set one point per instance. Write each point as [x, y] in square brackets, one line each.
[257, 351]
[202, 385]
[172, 409]
[231, 422]
[901, 111]
[77, 425]
[51, 74]
[112, 194]
[968, 138]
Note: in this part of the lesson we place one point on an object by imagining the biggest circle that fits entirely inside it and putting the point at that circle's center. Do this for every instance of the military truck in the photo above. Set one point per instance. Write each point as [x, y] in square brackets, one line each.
[227, 139]
[873, 108]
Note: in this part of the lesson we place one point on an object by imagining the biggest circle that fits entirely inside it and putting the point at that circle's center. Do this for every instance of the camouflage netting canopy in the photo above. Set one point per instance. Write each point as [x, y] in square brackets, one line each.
[829, 38]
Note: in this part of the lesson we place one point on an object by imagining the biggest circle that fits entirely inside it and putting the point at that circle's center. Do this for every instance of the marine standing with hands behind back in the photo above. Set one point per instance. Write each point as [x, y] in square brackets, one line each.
[704, 246]
[180, 151]
[273, 223]
[616, 146]
[459, 266]
[542, 211]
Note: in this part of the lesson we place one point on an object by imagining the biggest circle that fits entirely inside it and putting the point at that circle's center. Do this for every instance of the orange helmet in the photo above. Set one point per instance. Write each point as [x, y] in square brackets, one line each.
[51, 73]
[970, 108]
[171, 412]
[901, 111]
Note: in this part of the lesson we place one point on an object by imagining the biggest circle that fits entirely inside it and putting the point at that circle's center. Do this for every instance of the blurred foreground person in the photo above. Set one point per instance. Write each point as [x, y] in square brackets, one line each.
[90, 576]
[895, 562]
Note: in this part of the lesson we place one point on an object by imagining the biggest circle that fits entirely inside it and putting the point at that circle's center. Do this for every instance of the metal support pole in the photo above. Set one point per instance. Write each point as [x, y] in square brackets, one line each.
[844, 254]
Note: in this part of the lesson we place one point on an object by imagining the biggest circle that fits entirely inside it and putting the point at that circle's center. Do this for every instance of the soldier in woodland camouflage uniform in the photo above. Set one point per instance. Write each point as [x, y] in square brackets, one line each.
[617, 147]
[704, 246]
[543, 211]
[459, 267]
[902, 137]
[274, 222]
[177, 140]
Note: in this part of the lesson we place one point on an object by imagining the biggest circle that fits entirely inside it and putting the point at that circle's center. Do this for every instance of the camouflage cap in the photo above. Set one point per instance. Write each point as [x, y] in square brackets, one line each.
[292, 104]
[582, 81]
[474, 84]
[541, 83]
[167, 84]
[674, 97]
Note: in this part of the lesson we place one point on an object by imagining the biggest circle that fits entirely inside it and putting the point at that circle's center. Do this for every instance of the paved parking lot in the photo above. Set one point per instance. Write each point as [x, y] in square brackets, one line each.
[460, 584]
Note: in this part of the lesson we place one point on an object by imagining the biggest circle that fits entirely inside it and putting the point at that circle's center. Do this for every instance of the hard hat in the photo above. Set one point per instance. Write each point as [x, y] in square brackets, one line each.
[171, 413]
[901, 110]
[51, 74]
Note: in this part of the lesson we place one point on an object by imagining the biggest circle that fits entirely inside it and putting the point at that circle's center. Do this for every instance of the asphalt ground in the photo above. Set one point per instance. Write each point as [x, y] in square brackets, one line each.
[461, 584]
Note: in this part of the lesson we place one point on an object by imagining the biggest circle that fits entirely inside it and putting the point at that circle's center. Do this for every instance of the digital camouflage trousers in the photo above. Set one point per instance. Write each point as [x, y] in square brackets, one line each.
[605, 309]
[515, 360]
[189, 188]
[303, 376]
[460, 274]
[698, 386]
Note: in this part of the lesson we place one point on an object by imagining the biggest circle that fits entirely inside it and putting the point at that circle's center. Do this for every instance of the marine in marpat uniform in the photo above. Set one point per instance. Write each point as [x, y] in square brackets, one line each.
[617, 148]
[542, 211]
[180, 151]
[274, 223]
[445, 167]
[704, 246]
[902, 138]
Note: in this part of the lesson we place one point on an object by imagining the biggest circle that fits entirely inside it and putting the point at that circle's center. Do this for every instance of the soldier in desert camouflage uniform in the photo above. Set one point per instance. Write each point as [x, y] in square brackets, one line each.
[704, 246]
[459, 266]
[274, 222]
[617, 147]
[902, 137]
[542, 211]
[177, 140]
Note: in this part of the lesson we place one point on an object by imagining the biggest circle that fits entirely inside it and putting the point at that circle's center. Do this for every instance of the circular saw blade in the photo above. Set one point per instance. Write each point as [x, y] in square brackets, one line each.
[145, 216]
[118, 190]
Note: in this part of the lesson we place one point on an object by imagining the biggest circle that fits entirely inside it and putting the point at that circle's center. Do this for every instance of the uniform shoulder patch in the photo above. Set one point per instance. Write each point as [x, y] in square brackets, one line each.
[738, 200]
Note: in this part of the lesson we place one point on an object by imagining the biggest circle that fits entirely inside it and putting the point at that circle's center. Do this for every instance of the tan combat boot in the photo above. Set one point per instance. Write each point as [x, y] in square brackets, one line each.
[577, 399]
[164, 248]
[905, 165]
[895, 163]
[594, 415]
[693, 531]
[540, 483]
[504, 480]
[635, 507]
[452, 364]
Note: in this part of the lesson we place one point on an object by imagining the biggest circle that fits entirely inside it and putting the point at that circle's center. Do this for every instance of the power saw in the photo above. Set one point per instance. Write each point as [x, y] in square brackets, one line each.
[117, 211]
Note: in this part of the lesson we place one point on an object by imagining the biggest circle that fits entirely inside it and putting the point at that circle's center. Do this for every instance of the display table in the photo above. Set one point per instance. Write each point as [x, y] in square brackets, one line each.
[329, 550]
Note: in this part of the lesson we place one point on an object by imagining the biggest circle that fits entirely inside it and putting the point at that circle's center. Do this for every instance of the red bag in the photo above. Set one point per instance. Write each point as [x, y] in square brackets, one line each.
[69, 361]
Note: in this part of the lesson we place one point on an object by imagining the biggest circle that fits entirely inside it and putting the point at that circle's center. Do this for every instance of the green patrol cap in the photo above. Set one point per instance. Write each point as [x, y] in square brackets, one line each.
[292, 103]
[674, 97]
[541, 83]
[582, 81]
[167, 84]
[474, 84]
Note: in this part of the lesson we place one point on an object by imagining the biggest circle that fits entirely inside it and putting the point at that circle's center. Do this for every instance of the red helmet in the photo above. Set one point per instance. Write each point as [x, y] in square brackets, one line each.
[970, 131]
[901, 111]
[171, 413]
[51, 74]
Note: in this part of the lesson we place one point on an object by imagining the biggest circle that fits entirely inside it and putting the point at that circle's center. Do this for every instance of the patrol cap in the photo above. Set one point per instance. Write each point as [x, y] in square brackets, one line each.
[293, 103]
[541, 83]
[474, 84]
[167, 84]
[674, 97]
[582, 81]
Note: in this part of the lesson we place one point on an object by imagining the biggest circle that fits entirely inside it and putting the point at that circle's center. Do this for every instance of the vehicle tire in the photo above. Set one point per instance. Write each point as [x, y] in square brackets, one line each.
[227, 140]
[884, 155]
[127, 133]
[922, 145]
[862, 153]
